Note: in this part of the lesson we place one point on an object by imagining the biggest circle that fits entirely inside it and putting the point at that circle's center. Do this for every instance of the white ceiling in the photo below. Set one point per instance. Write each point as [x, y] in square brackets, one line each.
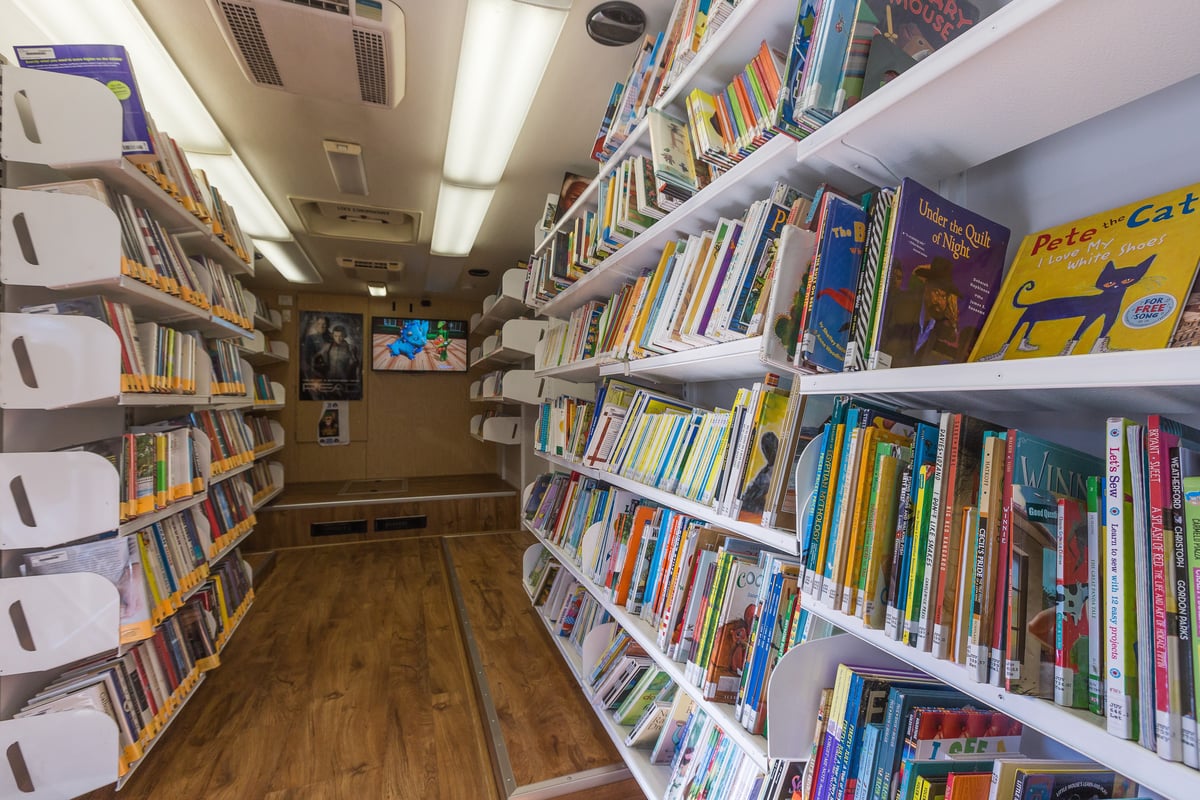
[278, 135]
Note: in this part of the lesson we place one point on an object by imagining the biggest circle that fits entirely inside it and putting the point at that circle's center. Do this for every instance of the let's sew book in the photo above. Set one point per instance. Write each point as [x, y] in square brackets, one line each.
[1116, 280]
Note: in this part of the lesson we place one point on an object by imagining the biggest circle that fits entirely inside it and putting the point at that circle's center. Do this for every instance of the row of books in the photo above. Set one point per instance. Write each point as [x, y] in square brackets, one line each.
[261, 482]
[229, 513]
[264, 389]
[227, 375]
[153, 151]
[157, 467]
[563, 426]
[261, 434]
[154, 357]
[228, 298]
[895, 734]
[231, 442]
[682, 578]
[142, 686]
[657, 63]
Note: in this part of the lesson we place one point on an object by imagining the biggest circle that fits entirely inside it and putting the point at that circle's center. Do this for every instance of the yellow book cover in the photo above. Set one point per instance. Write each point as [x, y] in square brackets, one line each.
[1117, 280]
[714, 467]
[879, 539]
[763, 454]
[656, 281]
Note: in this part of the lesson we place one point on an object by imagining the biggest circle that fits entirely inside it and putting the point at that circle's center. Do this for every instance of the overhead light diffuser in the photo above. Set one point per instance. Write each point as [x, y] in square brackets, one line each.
[506, 45]
[289, 260]
[460, 212]
[255, 213]
[166, 93]
[346, 164]
[377, 289]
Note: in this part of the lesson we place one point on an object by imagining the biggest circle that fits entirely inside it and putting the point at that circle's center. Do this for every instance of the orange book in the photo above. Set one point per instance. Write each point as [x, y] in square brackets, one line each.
[968, 785]
[627, 557]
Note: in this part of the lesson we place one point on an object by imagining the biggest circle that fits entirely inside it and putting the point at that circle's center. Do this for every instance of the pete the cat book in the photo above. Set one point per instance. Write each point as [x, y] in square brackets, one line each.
[1117, 280]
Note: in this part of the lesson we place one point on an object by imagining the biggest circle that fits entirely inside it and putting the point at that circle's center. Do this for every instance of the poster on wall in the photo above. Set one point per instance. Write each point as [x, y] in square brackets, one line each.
[330, 355]
[333, 426]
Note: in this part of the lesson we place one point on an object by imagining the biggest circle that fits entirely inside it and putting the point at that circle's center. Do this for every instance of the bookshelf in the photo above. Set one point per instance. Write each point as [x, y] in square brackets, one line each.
[61, 385]
[268, 355]
[1010, 120]
[507, 303]
[511, 344]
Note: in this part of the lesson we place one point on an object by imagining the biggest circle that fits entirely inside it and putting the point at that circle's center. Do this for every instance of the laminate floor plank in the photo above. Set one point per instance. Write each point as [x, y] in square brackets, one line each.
[549, 728]
[347, 679]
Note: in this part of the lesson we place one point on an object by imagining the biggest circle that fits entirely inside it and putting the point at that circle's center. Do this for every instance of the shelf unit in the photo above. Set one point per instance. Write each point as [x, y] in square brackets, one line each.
[258, 350]
[268, 354]
[508, 302]
[754, 746]
[1010, 120]
[500, 430]
[512, 344]
[524, 386]
[60, 385]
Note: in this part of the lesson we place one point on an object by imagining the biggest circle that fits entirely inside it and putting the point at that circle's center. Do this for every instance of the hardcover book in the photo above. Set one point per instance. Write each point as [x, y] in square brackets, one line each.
[1116, 280]
[944, 269]
[839, 257]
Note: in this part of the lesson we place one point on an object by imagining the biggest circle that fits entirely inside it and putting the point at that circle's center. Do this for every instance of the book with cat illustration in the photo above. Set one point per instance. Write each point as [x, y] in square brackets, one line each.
[942, 269]
[1116, 280]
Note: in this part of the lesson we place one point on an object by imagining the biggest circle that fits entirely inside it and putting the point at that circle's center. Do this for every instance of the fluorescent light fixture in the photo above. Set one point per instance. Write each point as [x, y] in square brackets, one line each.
[167, 94]
[377, 289]
[460, 212]
[346, 164]
[289, 260]
[255, 213]
[506, 45]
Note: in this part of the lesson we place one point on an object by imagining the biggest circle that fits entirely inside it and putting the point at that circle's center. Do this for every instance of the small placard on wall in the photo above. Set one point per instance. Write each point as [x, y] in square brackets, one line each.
[333, 426]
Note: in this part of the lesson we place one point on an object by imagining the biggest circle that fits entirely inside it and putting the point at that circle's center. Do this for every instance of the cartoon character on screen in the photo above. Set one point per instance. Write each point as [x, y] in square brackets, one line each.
[411, 339]
[441, 341]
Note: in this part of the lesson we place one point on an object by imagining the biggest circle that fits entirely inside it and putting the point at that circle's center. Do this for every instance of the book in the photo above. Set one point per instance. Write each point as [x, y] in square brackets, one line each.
[1032, 592]
[839, 258]
[1121, 708]
[1073, 602]
[1115, 280]
[942, 275]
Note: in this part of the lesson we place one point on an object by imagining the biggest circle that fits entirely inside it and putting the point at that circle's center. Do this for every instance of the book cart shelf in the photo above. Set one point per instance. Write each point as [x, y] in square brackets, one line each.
[267, 355]
[61, 385]
[1020, 121]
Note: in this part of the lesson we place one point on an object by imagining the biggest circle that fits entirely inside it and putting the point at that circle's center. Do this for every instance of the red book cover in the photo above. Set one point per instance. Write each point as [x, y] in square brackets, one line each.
[1167, 722]
[144, 677]
[1003, 559]
[164, 658]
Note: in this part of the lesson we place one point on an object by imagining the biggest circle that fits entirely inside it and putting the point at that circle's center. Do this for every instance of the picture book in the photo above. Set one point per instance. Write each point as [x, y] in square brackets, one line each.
[799, 49]
[1073, 601]
[943, 272]
[1029, 660]
[781, 332]
[109, 64]
[840, 251]
[764, 455]
[1115, 280]
[1070, 781]
[968, 785]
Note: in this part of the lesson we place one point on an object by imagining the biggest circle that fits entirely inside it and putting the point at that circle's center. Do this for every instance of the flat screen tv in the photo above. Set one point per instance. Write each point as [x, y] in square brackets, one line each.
[418, 345]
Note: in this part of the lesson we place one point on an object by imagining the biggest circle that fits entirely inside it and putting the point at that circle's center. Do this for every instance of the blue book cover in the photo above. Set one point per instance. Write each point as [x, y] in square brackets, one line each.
[772, 228]
[798, 54]
[839, 257]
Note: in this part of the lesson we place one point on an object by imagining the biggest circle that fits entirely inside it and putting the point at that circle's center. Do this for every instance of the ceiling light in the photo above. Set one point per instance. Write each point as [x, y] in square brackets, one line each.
[460, 212]
[289, 260]
[506, 45]
[346, 164]
[256, 215]
[377, 289]
[166, 93]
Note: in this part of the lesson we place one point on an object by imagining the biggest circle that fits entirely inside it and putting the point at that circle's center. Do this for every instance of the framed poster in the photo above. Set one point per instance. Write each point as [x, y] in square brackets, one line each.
[330, 355]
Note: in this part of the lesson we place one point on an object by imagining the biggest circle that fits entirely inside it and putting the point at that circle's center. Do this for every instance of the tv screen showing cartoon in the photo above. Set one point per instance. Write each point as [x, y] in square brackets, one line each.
[418, 345]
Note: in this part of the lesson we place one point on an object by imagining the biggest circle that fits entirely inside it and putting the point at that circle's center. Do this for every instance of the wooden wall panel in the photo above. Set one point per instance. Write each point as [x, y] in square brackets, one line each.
[290, 527]
[405, 426]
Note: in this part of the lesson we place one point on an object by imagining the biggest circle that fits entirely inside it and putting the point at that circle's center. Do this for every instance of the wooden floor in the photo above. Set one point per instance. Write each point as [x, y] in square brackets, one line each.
[549, 728]
[348, 679]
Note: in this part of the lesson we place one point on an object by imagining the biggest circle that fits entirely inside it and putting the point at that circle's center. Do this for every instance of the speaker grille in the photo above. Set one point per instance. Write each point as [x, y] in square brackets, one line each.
[247, 32]
[372, 76]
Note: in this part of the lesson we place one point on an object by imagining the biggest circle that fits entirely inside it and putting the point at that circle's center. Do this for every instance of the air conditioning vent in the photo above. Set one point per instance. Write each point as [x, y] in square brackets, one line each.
[347, 50]
[353, 221]
[324, 5]
[369, 269]
[248, 33]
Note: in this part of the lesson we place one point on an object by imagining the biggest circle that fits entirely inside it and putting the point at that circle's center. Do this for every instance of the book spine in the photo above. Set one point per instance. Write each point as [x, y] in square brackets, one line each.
[1003, 559]
[1097, 595]
[1191, 509]
[897, 585]
[1183, 593]
[1121, 678]
[1167, 719]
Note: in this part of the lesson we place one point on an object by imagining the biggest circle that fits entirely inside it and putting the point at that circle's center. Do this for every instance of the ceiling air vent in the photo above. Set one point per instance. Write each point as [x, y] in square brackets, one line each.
[369, 269]
[347, 50]
[352, 221]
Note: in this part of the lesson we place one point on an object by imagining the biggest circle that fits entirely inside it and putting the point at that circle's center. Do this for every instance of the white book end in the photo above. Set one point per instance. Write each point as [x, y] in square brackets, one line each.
[52, 620]
[50, 361]
[46, 108]
[58, 755]
[47, 499]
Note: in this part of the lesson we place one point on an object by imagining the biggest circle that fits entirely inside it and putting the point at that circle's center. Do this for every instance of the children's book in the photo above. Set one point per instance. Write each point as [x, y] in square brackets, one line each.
[1033, 531]
[943, 272]
[840, 251]
[1116, 280]
[1073, 601]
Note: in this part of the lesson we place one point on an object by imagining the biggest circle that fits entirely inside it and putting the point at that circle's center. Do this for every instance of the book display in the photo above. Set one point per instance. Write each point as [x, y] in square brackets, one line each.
[130, 466]
[987, 343]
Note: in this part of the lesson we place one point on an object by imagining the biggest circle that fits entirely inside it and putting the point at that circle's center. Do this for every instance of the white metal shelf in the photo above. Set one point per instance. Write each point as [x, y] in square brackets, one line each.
[1146, 380]
[568, 464]
[505, 304]
[1080, 730]
[587, 370]
[272, 323]
[755, 747]
[38, 742]
[735, 360]
[513, 343]
[499, 430]
[146, 520]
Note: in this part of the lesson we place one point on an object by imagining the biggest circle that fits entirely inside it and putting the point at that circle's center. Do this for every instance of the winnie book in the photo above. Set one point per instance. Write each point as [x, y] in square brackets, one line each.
[1117, 280]
[944, 267]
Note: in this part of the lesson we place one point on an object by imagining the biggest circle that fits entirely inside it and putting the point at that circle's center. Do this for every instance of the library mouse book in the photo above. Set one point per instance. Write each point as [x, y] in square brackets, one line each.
[1117, 280]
